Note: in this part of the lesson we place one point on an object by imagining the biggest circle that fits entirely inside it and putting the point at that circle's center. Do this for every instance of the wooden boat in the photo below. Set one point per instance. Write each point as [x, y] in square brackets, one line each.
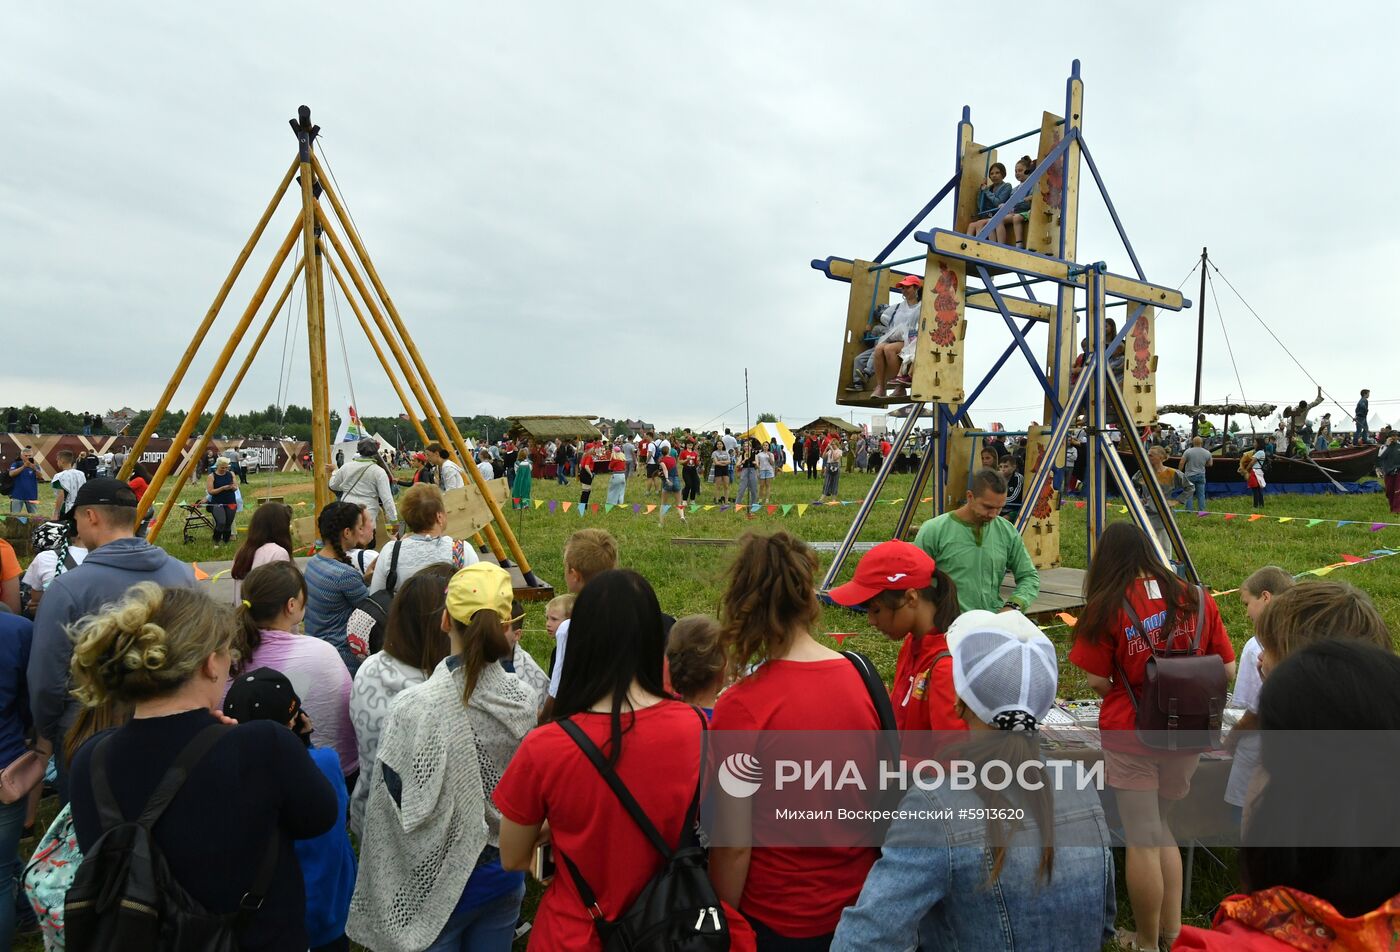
[1350, 465]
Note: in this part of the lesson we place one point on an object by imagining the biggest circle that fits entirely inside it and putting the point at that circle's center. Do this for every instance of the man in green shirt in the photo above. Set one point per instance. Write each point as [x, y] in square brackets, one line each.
[976, 547]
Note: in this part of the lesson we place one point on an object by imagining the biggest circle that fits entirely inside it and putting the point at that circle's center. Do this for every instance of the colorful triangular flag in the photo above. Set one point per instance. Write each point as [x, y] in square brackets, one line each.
[787, 508]
[538, 503]
[801, 509]
[1283, 519]
[608, 507]
[1229, 515]
[665, 508]
[199, 574]
[1256, 517]
[567, 505]
[552, 504]
[637, 507]
[1068, 619]
[706, 508]
[651, 507]
[595, 507]
[1314, 522]
[840, 636]
[1352, 559]
[772, 509]
[1377, 526]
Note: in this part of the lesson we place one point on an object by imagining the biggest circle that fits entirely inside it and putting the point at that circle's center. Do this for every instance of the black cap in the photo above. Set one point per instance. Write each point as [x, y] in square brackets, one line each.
[105, 492]
[263, 694]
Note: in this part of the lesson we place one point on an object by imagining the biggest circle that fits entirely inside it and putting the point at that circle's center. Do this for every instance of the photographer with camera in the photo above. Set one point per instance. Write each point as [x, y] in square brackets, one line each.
[24, 493]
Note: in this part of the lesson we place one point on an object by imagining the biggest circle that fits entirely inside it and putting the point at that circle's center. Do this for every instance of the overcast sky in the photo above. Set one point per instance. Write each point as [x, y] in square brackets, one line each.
[611, 209]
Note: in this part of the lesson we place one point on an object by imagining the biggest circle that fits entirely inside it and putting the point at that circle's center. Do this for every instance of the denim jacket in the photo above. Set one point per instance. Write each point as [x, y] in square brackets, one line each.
[926, 896]
[990, 199]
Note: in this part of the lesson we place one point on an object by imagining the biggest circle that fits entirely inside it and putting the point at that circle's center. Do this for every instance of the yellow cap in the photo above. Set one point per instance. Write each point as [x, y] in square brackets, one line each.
[482, 586]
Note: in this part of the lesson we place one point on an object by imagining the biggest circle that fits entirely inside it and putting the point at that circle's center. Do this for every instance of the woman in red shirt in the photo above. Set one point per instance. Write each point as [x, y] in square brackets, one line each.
[1109, 647]
[906, 596]
[612, 689]
[690, 474]
[792, 897]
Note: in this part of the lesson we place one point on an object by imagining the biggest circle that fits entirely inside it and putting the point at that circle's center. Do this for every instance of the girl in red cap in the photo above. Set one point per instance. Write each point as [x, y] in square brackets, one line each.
[906, 596]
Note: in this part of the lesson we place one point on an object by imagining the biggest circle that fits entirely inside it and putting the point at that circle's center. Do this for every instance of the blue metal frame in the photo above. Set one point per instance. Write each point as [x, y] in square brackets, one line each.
[1024, 189]
[924, 212]
[1020, 341]
[1112, 211]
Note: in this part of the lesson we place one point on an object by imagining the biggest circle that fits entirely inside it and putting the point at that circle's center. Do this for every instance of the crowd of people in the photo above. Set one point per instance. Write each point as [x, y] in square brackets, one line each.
[384, 694]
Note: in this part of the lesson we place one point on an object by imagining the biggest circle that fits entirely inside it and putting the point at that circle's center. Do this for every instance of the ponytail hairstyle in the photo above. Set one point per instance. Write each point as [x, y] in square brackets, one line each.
[332, 523]
[266, 591]
[771, 591]
[148, 645]
[94, 720]
[1028, 162]
[941, 592]
[484, 642]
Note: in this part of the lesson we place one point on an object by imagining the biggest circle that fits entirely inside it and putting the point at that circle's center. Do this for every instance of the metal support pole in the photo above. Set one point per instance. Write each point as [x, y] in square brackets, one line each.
[134, 453]
[1201, 328]
[438, 402]
[886, 468]
[1098, 444]
[197, 407]
[182, 475]
[927, 464]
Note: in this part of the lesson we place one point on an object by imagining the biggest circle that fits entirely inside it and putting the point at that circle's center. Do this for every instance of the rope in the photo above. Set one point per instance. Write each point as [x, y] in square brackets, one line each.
[1279, 342]
[320, 147]
[344, 353]
[1210, 282]
[284, 365]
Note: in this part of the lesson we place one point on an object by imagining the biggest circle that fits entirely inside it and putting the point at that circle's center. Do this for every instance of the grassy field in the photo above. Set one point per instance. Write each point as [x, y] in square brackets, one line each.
[689, 578]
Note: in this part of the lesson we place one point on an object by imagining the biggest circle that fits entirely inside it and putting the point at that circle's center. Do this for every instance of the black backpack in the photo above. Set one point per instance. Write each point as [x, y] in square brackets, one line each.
[123, 897]
[365, 627]
[7, 482]
[677, 911]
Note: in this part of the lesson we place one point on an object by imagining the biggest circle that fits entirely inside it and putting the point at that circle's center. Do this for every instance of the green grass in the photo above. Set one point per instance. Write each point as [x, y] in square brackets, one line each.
[689, 579]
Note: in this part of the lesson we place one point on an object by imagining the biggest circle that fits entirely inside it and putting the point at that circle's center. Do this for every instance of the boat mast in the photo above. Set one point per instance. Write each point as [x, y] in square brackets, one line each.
[1200, 328]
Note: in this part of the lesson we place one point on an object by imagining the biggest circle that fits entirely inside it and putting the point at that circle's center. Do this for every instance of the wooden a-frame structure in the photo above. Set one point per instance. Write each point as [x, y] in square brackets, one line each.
[956, 257]
[472, 510]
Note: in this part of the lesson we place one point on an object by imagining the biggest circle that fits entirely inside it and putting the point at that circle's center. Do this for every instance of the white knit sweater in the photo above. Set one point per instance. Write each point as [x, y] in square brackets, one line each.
[415, 858]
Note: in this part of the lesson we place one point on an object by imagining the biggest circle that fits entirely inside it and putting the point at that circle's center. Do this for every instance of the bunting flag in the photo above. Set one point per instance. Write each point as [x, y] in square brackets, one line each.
[1229, 516]
[652, 508]
[540, 502]
[595, 507]
[1377, 526]
[1068, 619]
[567, 505]
[665, 508]
[1256, 517]
[1352, 559]
[607, 507]
[840, 636]
[771, 509]
[1314, 522]
[706, 508]
[199, 574]
[637, 507]
[787, 508]
[552, 504]
[801, 509]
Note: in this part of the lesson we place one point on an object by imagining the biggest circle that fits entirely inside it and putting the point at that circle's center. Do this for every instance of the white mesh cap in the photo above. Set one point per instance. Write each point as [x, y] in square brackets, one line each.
[1003, 664]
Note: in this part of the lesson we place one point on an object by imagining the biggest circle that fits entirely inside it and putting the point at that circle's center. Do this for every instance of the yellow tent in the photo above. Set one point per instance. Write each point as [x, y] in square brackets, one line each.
[767, 432]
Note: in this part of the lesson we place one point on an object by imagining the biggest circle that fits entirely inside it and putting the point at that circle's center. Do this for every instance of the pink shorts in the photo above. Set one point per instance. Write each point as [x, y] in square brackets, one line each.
[1168, 774]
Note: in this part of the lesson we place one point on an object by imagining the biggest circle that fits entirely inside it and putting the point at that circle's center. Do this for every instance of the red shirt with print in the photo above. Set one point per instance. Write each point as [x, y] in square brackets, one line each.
[1126, 649]
[690, 458]
[550, 778]
[922, 691]
[800, 892]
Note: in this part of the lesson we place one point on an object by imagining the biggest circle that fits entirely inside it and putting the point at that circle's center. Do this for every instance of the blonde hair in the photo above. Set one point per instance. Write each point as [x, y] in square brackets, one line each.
[771, 591]
[694, 654]
[590, 552]
[1271, 579]
[564, 603]
[419, 506]
[1320, 611]
[147, 645]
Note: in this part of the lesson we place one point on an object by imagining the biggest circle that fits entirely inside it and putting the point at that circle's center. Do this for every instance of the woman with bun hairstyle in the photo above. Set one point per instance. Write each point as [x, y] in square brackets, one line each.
[910, 600]
[792, 897]
[333, 586]
[273, 605]
[431, 875]
[167, 652]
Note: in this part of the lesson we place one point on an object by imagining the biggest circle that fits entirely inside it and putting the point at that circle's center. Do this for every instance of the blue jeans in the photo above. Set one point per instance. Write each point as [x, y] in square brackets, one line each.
[486, 928]
[1198, 480]
[748, 487]
[11, 826]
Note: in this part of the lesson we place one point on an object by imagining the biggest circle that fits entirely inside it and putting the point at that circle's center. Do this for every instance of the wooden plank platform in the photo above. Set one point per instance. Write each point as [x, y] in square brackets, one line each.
[1061, 590]
[221, 584]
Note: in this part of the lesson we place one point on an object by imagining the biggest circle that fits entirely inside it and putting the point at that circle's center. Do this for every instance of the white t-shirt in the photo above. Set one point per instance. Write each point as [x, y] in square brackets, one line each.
[45, 566]
[362, 559]
[765, 463]
[561, 638]
[729, 442]
[70, 481]
[486, 471]
[450, 476]
[1247, 751]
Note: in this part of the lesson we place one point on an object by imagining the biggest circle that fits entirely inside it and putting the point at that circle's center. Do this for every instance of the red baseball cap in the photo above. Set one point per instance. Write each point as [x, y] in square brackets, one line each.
[910, 281]
[892, 566]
